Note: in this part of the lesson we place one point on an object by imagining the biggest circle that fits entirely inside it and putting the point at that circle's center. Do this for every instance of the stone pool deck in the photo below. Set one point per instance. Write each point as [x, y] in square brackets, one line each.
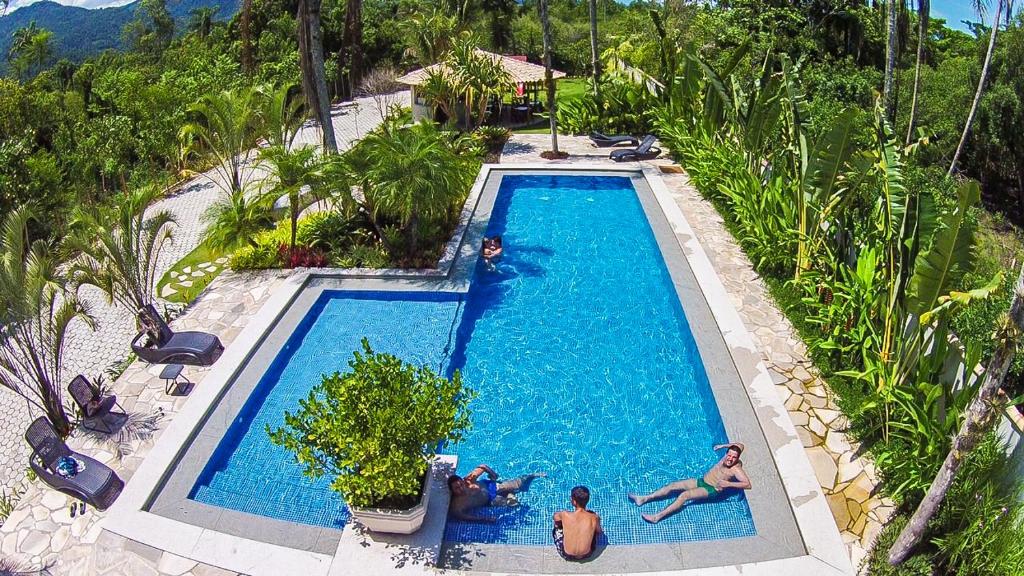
[40, 531]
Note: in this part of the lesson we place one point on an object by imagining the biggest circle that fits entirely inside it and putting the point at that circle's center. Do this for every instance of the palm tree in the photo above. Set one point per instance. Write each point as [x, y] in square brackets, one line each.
[311, 62]
[891, 50]
[549, 82]
[282, 115]
[234, 221]
[976, 420]
[201, 21]
[923, 13]
[476, 77]
[35, 311]
[427, 36]
[352, 46]
[119, 250]
[227, 124]
[416, 174]
[31, 49]
[290, 172]
[248, 67]
[594, 64]
[980, 6]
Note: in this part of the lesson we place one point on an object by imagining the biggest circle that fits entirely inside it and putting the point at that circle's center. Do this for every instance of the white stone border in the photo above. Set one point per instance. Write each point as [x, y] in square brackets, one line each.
[128, 517]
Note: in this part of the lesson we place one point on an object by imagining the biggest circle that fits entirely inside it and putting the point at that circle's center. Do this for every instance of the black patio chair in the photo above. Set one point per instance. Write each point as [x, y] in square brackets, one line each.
[645, 151]
[605, 141]
[95, 410]
[94, 483]
[158, 344]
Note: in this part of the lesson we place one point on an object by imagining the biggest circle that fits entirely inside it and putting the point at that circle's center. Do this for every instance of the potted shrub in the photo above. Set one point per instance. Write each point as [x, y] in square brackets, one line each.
[375, 429]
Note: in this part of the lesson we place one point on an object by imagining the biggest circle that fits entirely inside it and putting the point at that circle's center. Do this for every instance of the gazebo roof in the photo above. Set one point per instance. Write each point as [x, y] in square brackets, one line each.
[518, 70]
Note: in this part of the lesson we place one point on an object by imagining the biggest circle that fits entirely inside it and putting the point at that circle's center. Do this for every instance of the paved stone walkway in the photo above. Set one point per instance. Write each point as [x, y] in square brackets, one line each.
[91, 352]
[41, 532]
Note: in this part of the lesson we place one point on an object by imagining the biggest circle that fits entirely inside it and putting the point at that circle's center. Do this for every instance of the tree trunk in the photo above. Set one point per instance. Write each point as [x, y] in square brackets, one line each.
[923, 13]
[352, 45]
[549, 82]
[246, 32]
[314, 80]
[293, 207]
[56, 414]
[980, 91]
[891, 48]
[594, 65]
[979, 415]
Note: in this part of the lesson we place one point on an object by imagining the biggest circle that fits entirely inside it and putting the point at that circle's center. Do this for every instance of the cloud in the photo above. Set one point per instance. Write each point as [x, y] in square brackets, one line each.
[15, 4]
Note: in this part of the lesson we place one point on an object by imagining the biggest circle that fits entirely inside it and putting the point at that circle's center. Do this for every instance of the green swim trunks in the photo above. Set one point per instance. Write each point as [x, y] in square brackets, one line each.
[702, 484]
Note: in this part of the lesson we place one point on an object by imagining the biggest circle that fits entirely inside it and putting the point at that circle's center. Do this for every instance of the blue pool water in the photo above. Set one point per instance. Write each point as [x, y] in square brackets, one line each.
[582, 356]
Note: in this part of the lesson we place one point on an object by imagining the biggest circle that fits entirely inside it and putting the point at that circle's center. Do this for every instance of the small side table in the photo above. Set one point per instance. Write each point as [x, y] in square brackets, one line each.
[170, 375]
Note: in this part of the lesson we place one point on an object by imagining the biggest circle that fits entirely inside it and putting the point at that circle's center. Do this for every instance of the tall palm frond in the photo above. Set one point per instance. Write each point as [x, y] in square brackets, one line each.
[35, 312]
[234, 221]
[119, 250]
[226, 124]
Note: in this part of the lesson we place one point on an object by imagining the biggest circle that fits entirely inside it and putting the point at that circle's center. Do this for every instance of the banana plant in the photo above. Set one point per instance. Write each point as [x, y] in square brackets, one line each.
[950, 250]
[820, 190]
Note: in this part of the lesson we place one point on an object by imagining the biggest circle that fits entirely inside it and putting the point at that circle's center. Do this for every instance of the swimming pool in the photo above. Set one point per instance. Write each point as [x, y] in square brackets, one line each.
[580, 350]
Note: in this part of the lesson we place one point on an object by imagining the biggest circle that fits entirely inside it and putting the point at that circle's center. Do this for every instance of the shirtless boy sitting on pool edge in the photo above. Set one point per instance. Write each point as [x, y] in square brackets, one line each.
[470, 492]
[727, 473]
[575, 532]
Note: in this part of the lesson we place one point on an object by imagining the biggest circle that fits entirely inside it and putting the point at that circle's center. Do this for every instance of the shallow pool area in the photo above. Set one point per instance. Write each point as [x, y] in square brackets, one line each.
[247, 472]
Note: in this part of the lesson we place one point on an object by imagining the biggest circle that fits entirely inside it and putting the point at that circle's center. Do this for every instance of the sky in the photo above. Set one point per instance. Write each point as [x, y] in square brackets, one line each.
[15, 4]
[952, 10]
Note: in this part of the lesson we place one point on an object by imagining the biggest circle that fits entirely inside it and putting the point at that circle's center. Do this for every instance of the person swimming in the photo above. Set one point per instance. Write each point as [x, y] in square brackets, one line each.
[491, 250]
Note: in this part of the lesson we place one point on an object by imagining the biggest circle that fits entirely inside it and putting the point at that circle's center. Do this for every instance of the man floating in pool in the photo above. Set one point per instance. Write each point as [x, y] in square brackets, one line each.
[727, 473]
[470, 493]
[575, 532]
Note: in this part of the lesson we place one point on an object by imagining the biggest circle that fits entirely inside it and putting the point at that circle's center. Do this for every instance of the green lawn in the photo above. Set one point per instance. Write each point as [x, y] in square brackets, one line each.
[565, 89]
[203, 259]
[571, 88]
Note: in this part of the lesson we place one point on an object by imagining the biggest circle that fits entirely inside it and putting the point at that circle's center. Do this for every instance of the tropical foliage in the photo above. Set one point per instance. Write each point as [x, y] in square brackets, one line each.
[872, 268]
[119, 249]
[36, 311]
[338, 431]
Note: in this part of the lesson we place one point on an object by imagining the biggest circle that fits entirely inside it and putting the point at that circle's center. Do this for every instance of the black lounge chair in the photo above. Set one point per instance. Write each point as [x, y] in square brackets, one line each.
[158, 344]
[95, 410]
[95, 483]
[645, 151]
[605, 141]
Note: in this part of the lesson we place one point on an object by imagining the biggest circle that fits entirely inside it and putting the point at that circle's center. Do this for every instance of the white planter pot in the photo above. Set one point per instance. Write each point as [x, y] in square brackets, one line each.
[396, 521]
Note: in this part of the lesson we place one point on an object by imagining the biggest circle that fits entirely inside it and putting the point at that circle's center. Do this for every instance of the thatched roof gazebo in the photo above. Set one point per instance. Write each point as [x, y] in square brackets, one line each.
[527, 77]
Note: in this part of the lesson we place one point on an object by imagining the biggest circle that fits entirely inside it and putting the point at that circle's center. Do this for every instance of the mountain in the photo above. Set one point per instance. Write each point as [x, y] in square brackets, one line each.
[81, 32]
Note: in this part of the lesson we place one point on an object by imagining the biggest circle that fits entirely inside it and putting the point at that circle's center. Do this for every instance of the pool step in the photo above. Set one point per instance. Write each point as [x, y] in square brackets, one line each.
[240, 482]
[303, 511]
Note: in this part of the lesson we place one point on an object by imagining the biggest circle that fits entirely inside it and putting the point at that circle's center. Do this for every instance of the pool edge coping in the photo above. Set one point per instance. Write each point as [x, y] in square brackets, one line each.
[130, 519]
